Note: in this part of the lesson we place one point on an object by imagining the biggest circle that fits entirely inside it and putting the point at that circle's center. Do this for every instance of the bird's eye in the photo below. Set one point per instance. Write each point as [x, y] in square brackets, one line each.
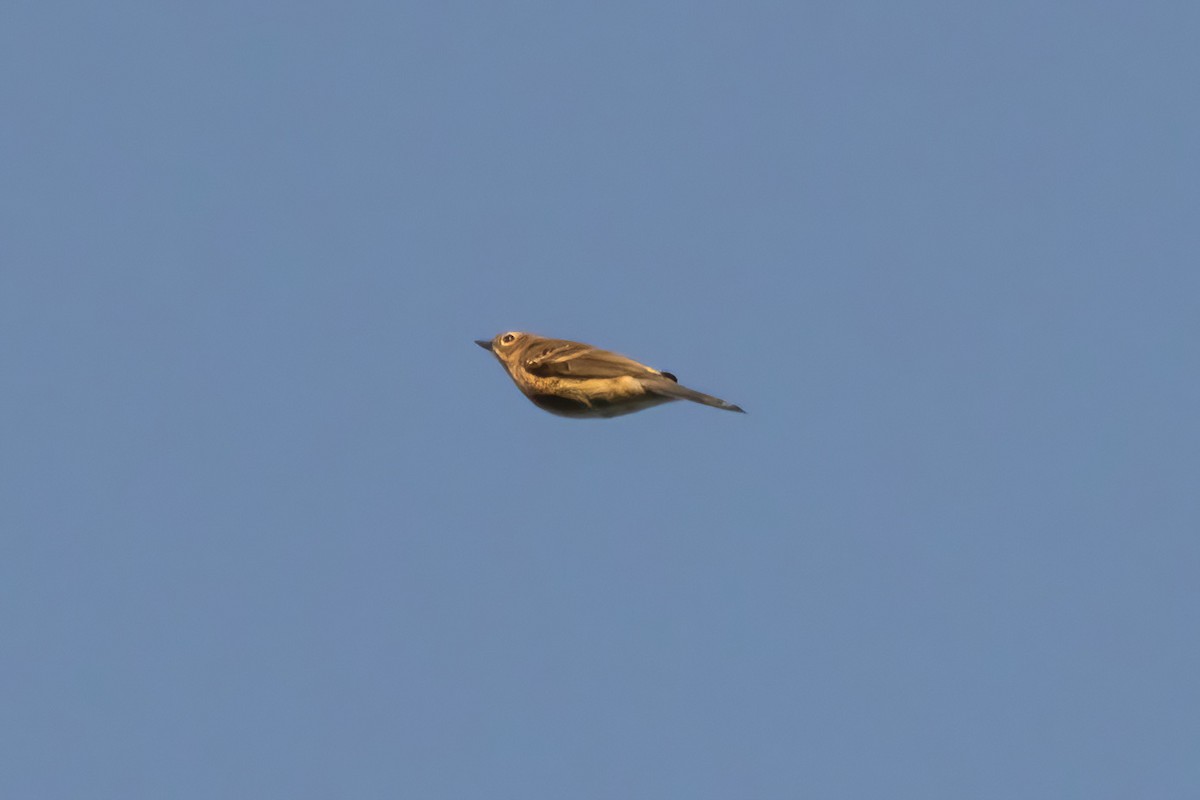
[507, 338]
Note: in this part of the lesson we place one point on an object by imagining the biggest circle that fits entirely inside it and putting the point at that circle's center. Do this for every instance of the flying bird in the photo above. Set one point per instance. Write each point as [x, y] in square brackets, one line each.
[572, 379]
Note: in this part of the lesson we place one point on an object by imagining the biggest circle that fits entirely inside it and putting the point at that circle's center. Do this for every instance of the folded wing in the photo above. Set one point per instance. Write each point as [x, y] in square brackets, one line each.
[558, 358]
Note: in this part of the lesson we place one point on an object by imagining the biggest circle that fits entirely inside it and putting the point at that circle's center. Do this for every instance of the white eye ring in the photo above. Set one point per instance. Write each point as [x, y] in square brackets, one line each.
[507, 338]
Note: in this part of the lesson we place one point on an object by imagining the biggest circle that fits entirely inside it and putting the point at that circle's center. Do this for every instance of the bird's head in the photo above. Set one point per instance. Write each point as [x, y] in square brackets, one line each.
[504, 345]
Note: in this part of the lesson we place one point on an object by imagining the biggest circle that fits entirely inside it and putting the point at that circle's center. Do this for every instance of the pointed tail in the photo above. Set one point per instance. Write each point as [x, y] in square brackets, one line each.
[668, 388]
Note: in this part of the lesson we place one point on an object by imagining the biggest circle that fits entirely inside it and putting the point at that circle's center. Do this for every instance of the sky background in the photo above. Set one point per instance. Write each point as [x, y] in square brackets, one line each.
[272, 526]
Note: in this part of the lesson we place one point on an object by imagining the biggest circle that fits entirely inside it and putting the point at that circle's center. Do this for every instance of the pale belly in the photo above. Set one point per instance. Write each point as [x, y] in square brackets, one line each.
[599, 409]
[595, 399]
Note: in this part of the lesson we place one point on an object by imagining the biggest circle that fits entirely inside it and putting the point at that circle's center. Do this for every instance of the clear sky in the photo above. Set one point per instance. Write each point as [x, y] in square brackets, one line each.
[272, 526]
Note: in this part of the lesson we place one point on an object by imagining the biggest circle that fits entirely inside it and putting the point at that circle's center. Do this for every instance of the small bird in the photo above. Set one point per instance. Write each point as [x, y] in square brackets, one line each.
[572, 379]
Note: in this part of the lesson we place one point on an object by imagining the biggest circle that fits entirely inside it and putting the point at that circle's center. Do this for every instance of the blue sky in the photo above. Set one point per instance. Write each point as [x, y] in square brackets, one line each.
[272, 525]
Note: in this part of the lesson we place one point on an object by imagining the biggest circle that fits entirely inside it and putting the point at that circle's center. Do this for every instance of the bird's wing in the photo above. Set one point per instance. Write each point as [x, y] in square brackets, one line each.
[558, 358]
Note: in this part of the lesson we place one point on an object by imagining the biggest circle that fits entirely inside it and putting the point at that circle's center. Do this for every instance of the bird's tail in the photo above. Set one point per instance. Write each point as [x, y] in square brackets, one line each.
[668, 388]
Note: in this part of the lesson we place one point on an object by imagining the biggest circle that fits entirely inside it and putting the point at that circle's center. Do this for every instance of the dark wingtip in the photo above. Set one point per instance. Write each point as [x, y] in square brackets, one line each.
[669, 376]
[738, 409]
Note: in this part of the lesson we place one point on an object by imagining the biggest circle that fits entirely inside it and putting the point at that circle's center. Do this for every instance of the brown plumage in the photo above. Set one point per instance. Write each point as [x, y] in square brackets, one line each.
[572, 379]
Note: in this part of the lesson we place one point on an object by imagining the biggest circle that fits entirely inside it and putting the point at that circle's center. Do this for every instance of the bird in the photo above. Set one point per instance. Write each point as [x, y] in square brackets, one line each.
[572, 379]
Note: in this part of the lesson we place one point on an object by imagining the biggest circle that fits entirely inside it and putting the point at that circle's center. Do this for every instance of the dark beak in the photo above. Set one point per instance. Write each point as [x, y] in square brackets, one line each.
[484, 343]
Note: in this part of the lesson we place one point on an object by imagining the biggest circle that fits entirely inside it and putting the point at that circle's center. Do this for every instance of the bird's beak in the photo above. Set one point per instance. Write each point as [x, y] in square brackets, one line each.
[486, 344]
